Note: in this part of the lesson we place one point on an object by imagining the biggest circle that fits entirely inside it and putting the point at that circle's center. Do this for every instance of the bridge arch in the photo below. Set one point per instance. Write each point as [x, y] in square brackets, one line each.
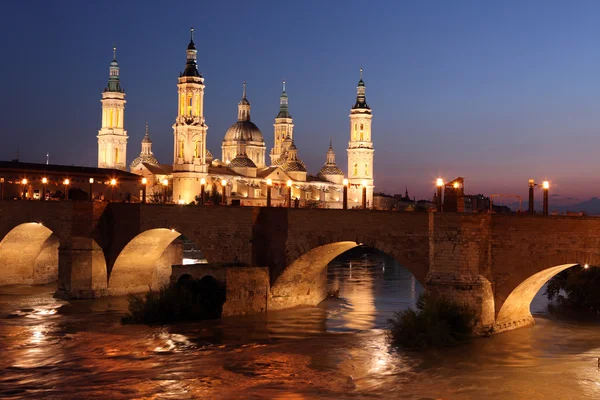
[304, 281]
[145, 262]
[29, 255]
[513, 297]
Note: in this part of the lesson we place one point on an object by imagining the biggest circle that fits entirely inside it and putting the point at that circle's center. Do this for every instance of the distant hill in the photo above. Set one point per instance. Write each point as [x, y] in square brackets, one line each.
[591, 206]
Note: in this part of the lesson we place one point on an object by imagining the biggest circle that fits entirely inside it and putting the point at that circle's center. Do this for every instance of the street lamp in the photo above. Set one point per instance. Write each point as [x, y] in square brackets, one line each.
[24, 183]
[546, 187]
[165, 183]
[440, 184]
[144, 184]
[44, 183]
[289, 185]
[224, 194]
[269, 184]
[113, 183]
[202, 187]
[531, 205]
[91, 189]
[66, 183]
[345, 197]
[364, 194]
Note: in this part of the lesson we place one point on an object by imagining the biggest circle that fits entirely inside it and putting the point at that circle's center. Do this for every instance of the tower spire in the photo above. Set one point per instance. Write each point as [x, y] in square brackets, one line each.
[192, 34]
[361, 74]
[114, 52]
[244, 91]
[361, 99]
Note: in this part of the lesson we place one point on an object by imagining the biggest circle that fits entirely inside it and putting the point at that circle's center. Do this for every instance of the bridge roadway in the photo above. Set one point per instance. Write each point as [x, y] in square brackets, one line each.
[493, 263]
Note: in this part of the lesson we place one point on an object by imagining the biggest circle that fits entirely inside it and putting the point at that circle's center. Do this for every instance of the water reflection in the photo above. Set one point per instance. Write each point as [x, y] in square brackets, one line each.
[55, 349]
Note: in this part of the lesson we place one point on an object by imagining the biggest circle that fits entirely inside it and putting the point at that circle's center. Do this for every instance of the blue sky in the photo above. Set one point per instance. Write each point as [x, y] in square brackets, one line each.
[497, 92]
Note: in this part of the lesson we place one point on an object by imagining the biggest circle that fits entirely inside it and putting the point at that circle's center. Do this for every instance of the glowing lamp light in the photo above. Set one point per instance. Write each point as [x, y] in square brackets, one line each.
[364, 183]
[24, 181]
[165, 182]
[66, 182]
[455, 185]
[440, 182]
[269, 182]
[144, 181]
[546, 185]
[345, 182]
[91, 180]
[227, 162]
[203, 181]
[586, 266]
[181, 201]
[44, 180]
[113, 182]
[223, 182]
[289, 183]
[172, 230]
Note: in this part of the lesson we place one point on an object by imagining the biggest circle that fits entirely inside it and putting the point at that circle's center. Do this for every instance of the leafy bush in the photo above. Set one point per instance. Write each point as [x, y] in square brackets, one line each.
[435, 323]
[186, 300]
[576, 288]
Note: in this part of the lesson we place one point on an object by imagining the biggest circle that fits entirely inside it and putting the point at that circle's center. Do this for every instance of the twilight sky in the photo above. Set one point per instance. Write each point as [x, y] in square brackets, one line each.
[497, 92]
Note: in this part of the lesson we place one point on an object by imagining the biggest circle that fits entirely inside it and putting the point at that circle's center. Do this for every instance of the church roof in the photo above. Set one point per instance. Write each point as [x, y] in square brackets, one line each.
[246, 130]
[329, 169]
[242, 160]
[294, 165]
[144, 159]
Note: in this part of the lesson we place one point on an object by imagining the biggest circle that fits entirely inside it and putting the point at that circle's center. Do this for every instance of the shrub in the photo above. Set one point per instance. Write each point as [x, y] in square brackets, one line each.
[576, 288]
[434, 323]
[187, 300]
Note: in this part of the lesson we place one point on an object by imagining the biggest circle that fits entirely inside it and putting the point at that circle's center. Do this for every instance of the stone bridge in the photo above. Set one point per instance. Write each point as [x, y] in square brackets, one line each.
[494, 263]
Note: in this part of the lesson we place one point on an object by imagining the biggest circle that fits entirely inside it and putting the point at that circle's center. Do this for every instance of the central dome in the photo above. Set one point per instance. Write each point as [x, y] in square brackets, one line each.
[244, 130]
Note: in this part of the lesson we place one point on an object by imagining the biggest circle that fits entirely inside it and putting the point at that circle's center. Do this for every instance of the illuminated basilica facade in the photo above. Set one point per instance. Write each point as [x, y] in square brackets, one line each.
[243, 173]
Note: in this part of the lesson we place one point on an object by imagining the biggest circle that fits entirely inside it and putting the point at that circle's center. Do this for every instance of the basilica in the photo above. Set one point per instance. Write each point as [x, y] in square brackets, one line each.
[244, 175]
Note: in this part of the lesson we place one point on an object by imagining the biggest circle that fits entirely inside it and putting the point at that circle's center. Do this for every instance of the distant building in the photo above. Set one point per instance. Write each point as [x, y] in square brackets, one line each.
[28, 181]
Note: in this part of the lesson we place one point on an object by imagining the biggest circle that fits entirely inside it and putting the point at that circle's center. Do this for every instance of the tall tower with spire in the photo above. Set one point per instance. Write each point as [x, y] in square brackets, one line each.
[112, 137]
[189, 130]
[283, 127]
[360, 149]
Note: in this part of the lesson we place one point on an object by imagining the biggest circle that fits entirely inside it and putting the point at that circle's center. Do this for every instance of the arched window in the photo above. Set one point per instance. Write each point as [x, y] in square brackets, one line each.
[366, 169]
[189, 104]
[355, 169]
[182, 104]
[196, 152]
[110, 120]
[116, 155]
[117, 121]
[180, 149]
[355, 132]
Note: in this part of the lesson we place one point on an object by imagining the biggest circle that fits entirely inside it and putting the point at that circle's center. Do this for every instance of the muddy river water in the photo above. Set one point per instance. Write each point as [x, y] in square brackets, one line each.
[52, 349]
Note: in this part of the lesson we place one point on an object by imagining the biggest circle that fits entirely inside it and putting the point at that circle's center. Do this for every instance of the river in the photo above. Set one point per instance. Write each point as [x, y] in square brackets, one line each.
[52, 349]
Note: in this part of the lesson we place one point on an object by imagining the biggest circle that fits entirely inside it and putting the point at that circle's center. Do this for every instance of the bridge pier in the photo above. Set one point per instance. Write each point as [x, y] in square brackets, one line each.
[81, 270]
[473, 292]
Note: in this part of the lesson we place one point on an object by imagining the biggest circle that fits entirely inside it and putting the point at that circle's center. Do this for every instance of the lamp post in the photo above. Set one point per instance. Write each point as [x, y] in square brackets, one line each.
[144, 184]
[113, 183]
[289, 185]
[91, 189]
[531, 206]
[202, 187]
[1, 188]
[66, 183]
[269, 185]
[24, 183]
[440, 185]
[224, 194]
[345, 196]
[546, 187]
[364, 195]
[44, 183]
[165, 183]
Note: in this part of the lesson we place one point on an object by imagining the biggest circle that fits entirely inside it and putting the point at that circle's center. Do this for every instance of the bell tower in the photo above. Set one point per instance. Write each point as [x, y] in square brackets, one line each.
[283, 127]
[112, 137]
[189, 131]
[360, 149]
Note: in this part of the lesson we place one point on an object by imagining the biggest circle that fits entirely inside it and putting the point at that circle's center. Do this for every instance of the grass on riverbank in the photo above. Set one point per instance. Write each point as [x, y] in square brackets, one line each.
[187, 300]
[434, 323]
